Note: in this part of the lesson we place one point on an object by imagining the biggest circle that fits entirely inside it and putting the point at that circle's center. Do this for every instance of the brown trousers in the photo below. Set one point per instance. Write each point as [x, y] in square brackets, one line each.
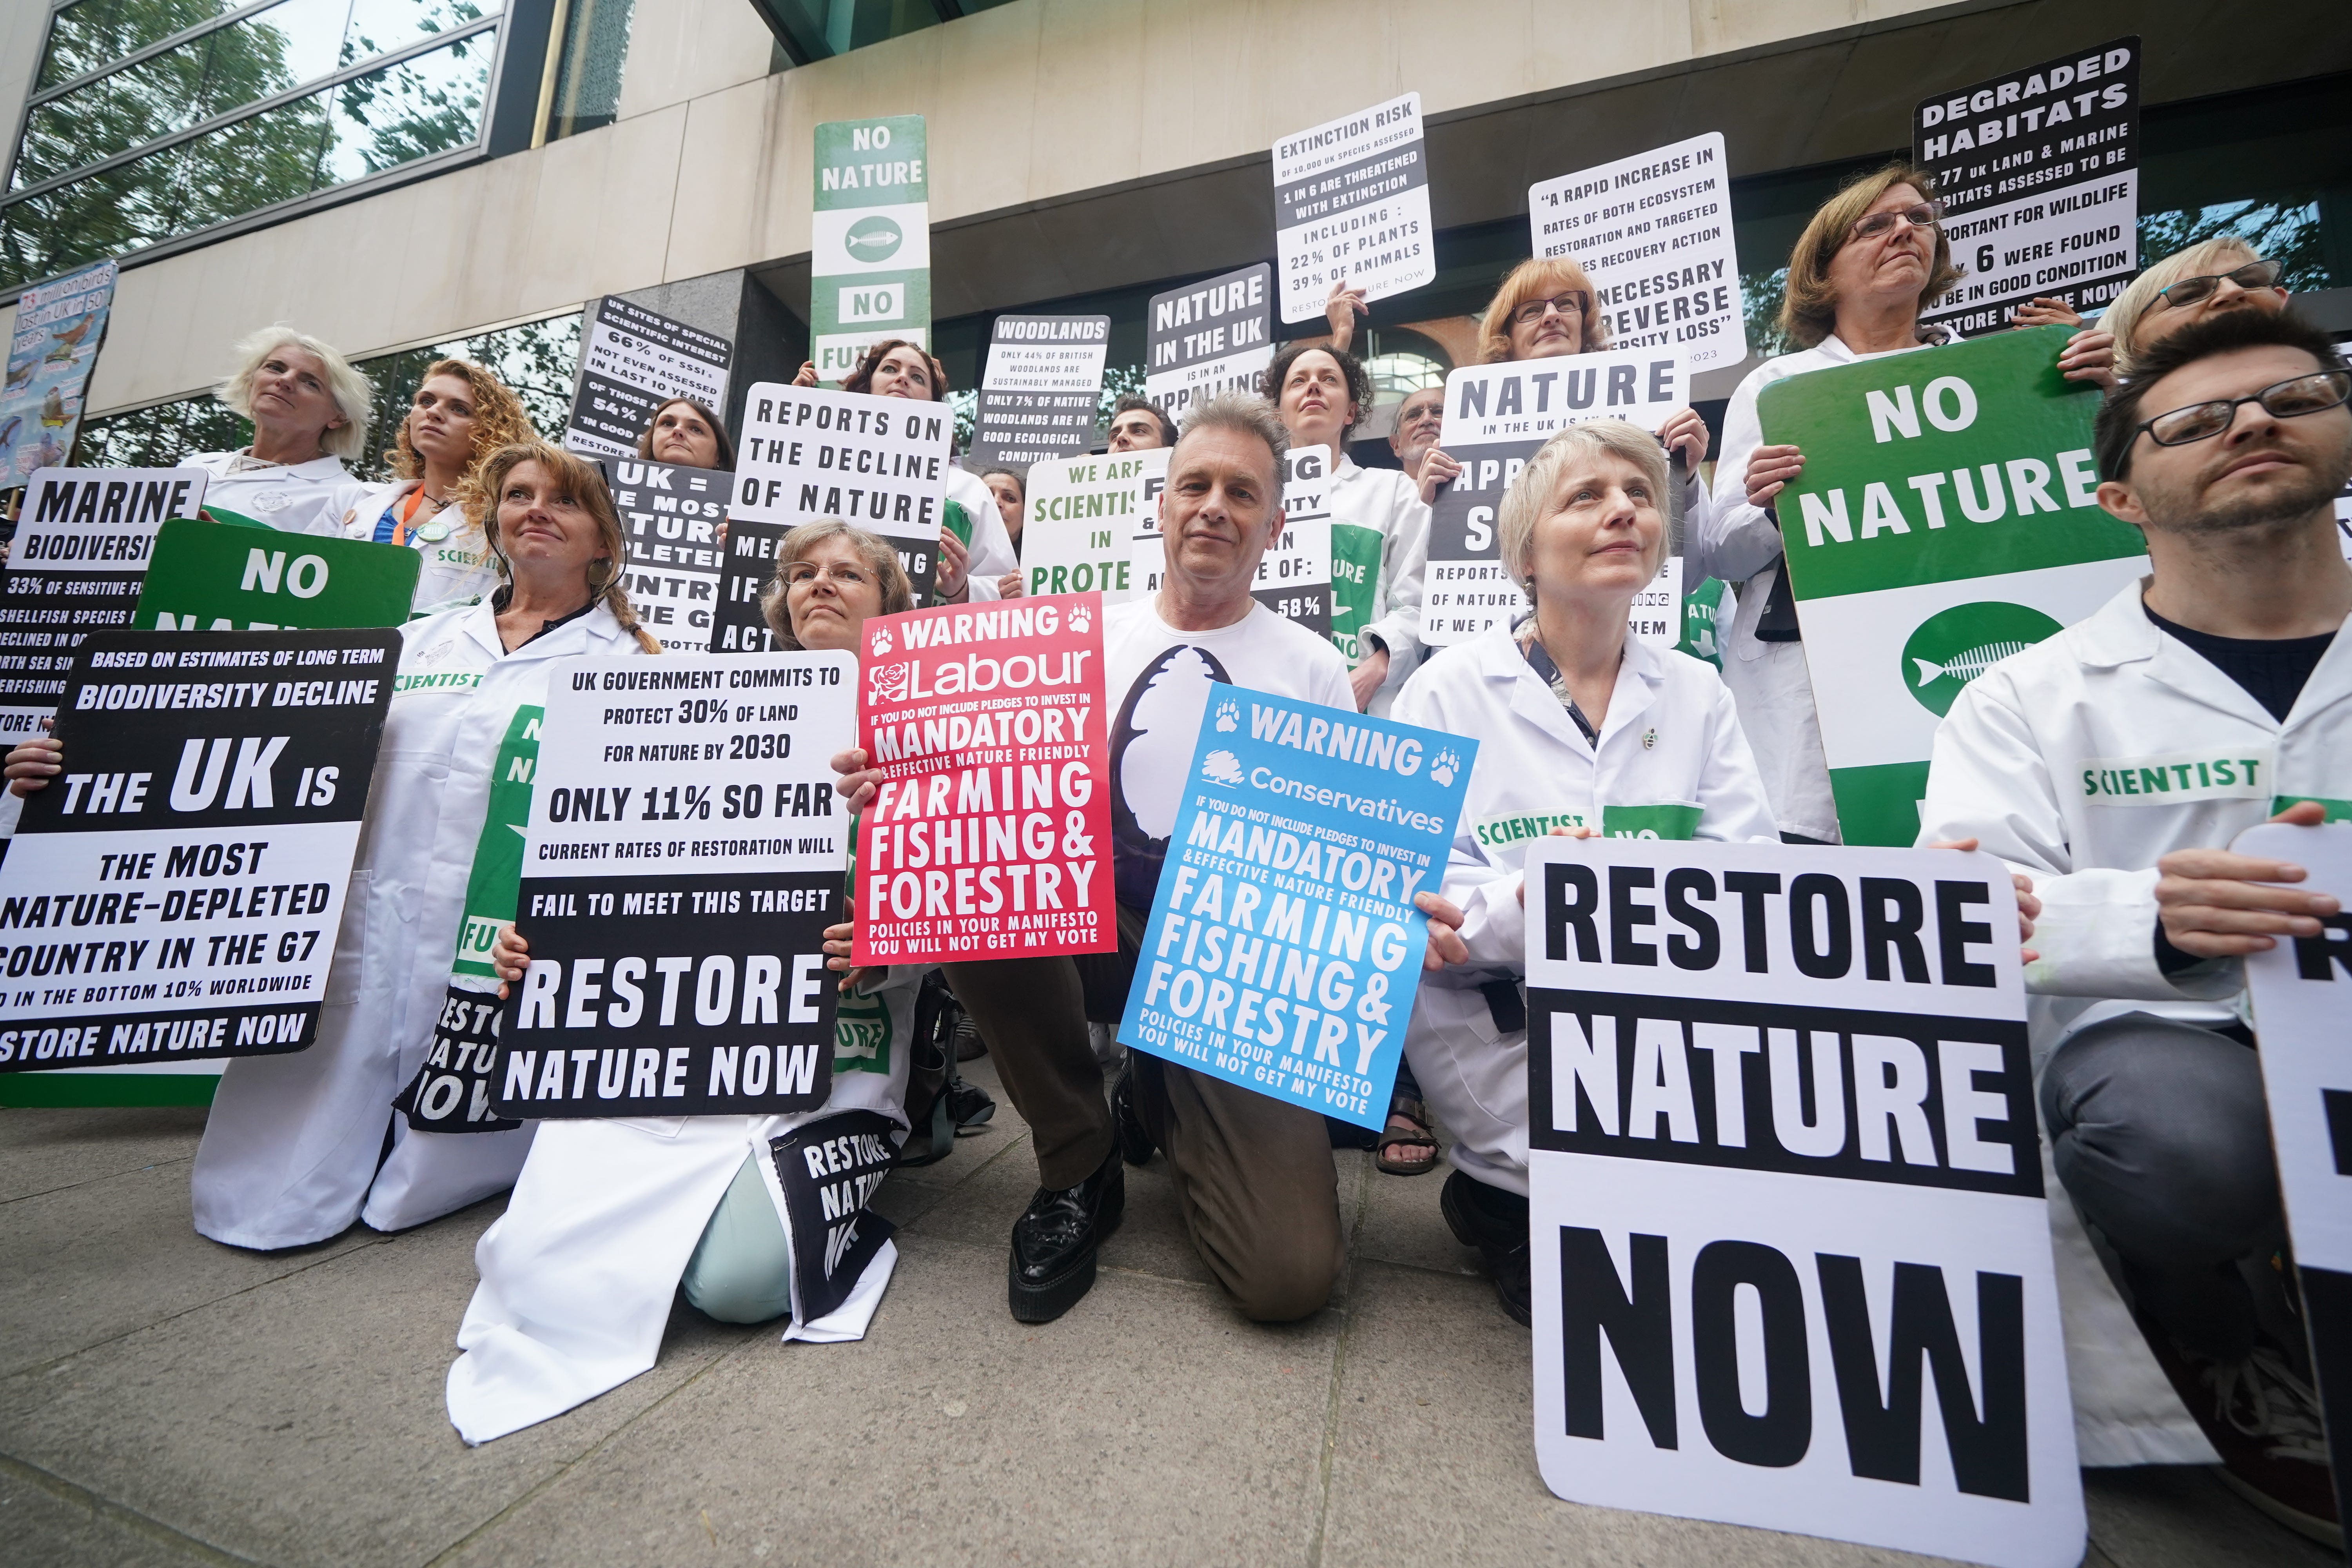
[1032, 1011]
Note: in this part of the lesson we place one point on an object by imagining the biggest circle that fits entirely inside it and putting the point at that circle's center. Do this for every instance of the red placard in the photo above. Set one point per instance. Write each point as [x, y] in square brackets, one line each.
[991, 834]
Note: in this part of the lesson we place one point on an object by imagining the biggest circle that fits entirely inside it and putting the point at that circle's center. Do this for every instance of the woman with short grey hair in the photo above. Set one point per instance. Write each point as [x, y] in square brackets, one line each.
[1583, 730]
[310, 414]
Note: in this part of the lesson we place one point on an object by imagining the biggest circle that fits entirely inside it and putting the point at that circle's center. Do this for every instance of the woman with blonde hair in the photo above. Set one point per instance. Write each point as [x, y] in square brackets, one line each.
[459, 414]
[612, 1218]
[1870, 261]
[310, 414]
[1583, 729]
[290, 1152]
[2207, 278]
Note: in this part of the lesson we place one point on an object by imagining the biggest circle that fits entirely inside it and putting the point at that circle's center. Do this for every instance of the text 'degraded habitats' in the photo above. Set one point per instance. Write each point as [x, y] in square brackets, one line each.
[1283, 947]
[174, 894]
[990, 835]
[1791, 1253]
[683, 859]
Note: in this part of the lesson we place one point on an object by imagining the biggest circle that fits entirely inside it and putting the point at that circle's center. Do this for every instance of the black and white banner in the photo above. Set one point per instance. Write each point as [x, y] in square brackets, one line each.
[2038, 173]
[632, 361]
[1038, 395]
[2302, 993]
[670, 517]
[741, 626]
[1351, 201]
[174, 894]
[1213, 336]
[1791, 1253]
[1653, 233]
[83, 539]
[829, 1169]
[683, 856]
[451, 1092]
[1496, 418]
[879, 462]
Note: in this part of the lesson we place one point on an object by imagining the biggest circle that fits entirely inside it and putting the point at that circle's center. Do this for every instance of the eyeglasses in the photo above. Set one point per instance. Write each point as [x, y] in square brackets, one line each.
[1575, 303]
[2282, 400]
[800, 571]
[1870, 226]
[2188, 291]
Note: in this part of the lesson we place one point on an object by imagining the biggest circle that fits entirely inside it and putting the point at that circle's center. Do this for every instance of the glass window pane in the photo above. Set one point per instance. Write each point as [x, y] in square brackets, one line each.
[588, 75]
[422, 105]
[249, 164]
[379, 25]
[86, 36]
[105, 215]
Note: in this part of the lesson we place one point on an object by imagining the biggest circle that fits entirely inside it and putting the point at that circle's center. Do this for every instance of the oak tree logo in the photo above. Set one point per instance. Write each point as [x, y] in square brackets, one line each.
[1222, 767]
[1952, 648]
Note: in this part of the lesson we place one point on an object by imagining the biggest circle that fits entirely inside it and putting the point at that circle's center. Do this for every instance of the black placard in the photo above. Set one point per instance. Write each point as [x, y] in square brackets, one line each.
[739, 626]
[451, 1091]
[829, 1169]
[175, 894]
[670, 516]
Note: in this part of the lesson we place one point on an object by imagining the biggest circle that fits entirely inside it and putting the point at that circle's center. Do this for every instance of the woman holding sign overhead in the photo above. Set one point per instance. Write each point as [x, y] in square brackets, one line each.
[1868, 263]
[1583, 730]
[974, 548]
[292, 1149]
[458, 415]
[611, 1217]
[1380, 523]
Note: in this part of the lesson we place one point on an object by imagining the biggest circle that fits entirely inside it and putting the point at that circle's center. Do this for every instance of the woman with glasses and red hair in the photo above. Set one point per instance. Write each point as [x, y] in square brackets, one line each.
[1868, 263]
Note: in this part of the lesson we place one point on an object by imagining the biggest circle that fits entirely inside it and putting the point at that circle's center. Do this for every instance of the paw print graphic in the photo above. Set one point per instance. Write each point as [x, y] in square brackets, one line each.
[1229, 717]
[1443, 768]
[1080, 621]
[882, 644]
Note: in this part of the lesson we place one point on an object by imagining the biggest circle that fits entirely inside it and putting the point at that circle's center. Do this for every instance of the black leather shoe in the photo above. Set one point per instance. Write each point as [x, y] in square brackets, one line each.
[1135, 1144]
[1502, 1244]
[1052, 1260]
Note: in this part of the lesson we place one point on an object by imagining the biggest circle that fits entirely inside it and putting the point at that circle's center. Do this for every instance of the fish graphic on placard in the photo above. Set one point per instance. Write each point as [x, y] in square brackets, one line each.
[1953, 646]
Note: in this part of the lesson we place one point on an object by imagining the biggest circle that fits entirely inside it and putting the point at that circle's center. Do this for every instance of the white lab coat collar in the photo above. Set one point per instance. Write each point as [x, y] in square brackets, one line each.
[591, 632]
[2120, 633]
[1639, 675]
[324, 469]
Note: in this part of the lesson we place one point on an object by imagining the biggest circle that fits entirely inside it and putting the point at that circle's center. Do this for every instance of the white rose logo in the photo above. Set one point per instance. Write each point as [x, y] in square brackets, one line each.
[886, 682]
[1221, 767]
[1442, 771]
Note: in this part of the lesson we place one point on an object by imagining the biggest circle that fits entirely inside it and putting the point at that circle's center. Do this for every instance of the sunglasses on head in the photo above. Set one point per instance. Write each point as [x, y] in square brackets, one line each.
[2313, 394]
[2188, 291]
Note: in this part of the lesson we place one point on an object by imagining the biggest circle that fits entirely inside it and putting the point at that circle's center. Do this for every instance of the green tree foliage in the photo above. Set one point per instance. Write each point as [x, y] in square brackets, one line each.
[2284, 232]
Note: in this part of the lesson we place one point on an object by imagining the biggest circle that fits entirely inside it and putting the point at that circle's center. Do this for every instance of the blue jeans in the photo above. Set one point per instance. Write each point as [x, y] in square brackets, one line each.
[2160, 1133]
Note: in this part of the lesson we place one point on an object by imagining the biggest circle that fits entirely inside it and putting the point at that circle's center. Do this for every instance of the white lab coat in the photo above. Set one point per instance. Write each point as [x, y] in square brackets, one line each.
[1387, 502]
[1671, 738]
[456, 570]
[301, 497]
[289, 1152]
[1741, 544]
[2010, 769]
[578, 1275]
[991, 555]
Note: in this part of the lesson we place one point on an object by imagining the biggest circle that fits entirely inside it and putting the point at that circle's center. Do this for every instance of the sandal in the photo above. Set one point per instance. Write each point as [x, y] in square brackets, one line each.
[1413, 1111]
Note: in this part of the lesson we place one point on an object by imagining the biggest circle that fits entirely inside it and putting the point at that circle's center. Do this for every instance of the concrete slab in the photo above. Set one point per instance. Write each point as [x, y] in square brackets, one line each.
[42, 1151]
[2179, 1516]
[47, 1522]
[1149, 1416]
[302, 1421]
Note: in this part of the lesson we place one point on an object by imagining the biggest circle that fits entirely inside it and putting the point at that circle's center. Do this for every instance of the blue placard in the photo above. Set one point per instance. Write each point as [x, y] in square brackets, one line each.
[1283, 949]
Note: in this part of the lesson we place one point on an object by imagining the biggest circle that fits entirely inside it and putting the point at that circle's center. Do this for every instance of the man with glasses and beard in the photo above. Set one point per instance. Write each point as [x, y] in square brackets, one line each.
[2114, 764]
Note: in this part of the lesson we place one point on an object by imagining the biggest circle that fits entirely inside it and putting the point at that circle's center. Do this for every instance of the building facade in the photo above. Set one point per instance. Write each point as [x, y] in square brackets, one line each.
[403, 177]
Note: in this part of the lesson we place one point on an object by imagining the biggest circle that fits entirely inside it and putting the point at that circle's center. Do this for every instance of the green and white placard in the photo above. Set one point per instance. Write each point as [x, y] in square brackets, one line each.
[207, 578]
[869, 241]
[1948, 516]
[1082, 516]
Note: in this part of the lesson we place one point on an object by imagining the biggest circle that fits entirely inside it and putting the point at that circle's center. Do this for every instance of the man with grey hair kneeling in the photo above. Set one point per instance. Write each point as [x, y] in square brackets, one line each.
[1254, 1175]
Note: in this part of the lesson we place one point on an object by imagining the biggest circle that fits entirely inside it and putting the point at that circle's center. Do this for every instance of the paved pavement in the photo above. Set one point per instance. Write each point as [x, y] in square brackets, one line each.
[164, 1401]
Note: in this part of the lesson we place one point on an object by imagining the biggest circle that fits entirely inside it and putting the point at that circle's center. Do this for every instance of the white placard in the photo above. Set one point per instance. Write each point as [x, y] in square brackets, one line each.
[1654, 233]
[879, 462]
[1790, 1252]
[1496, 418]
[1082, 516]
[1351, 200]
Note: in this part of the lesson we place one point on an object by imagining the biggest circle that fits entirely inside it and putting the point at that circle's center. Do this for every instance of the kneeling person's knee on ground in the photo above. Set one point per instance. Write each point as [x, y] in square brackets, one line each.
[741, 1269]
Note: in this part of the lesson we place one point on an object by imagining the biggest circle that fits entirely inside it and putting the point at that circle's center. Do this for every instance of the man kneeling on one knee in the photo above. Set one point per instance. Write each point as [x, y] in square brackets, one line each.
[2114, 763]
[1254, 1175]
